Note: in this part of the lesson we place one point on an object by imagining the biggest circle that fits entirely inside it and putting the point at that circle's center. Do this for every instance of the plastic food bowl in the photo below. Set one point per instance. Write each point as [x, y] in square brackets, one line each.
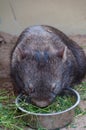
[50, 121]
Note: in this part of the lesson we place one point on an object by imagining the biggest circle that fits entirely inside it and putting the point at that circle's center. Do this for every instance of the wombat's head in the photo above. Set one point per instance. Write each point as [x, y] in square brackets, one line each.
[38, 63]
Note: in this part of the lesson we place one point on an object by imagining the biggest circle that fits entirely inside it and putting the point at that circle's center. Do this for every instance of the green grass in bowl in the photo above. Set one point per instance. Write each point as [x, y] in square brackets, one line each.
[60, 104]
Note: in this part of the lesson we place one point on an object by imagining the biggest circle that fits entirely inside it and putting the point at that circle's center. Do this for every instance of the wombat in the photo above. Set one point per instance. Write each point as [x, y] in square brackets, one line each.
[44, 62]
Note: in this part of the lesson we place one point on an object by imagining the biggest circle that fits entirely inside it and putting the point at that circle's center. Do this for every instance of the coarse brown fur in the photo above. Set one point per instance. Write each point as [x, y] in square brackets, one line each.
[44, 62]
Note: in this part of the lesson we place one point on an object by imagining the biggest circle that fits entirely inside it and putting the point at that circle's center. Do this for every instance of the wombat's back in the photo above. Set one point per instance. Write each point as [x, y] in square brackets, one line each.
[50, 36]
[44, 62]
[78, 53]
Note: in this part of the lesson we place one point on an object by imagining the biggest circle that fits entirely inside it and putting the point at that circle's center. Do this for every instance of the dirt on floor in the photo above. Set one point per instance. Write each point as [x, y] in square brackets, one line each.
[79, 123]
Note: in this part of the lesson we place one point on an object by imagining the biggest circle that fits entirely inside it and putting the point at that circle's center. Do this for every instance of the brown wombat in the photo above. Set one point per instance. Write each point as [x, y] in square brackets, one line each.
[44, 62]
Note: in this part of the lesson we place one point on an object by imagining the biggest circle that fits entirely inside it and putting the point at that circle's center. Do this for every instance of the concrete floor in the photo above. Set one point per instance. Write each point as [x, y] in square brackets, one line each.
[67, 15]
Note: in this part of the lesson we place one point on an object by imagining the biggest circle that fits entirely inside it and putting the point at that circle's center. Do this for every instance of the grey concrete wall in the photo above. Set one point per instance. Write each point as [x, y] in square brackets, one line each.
[67, 15]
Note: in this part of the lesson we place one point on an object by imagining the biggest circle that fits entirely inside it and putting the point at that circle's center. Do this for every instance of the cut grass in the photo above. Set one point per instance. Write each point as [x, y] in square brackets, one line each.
[82, 90]
[11, 118]
[8, 112]
[61, 103]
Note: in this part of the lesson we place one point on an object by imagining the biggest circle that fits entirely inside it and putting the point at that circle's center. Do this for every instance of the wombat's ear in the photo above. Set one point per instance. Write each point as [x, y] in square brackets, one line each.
[21, 54]
[65, 53]
[62, 53]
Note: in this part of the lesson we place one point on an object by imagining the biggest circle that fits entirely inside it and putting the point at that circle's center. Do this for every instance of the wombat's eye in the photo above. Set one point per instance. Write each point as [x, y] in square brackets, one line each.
[53, 86]
[31, 88]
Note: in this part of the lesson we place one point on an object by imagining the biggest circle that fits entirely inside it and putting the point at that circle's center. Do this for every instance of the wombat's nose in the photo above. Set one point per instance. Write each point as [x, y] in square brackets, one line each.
[40, 103]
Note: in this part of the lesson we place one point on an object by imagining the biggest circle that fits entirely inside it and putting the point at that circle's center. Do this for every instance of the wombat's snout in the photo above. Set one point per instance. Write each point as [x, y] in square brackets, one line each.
[41, 103]
[43, 95]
